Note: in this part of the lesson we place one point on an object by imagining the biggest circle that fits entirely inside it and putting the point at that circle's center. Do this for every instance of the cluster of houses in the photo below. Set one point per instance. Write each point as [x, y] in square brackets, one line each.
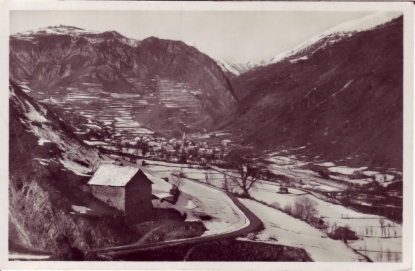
[149, 146]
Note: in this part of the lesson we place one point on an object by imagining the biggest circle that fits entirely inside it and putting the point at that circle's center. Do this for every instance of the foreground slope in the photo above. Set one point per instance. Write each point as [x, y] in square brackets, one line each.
[47, 164]
[340, 101]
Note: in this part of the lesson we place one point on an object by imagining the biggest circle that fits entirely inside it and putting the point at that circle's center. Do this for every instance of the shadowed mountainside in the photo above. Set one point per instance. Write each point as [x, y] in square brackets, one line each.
[340, 101]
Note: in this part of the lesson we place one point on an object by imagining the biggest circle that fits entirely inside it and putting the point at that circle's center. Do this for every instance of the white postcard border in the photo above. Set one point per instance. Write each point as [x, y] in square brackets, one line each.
[406, 8]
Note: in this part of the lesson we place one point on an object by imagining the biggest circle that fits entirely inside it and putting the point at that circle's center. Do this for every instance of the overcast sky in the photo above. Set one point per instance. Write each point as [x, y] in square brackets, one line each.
[229, 35]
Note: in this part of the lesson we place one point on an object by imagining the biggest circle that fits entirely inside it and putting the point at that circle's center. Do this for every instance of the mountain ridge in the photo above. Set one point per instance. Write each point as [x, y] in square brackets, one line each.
[333, 34]
[316, 100]
[51, 62]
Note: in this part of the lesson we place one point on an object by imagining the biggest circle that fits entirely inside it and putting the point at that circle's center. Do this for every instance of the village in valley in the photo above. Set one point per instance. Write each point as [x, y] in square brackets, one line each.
[342, 203]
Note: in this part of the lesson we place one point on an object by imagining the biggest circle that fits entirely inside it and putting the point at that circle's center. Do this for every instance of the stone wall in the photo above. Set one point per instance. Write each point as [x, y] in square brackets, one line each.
[112, 195]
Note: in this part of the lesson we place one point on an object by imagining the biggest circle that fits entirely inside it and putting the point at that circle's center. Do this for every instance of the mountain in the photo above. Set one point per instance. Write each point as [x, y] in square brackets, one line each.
[226, 67]
[335, 34]
[48, 171]
[340, 101]
[66, 59]
[243, 67]
[330, 36]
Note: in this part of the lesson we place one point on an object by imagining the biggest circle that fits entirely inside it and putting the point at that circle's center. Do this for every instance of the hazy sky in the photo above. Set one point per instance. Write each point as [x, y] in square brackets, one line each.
[229, 35]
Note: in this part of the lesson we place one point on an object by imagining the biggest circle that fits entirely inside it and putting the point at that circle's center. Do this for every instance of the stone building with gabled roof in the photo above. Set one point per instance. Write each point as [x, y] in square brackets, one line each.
[125, 188]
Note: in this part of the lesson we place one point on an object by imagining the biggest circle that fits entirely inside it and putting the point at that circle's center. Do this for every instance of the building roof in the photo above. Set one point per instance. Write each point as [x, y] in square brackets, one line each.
[113, 175]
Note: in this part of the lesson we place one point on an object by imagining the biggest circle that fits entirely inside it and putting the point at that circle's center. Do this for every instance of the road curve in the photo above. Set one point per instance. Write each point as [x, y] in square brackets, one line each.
[254, 224]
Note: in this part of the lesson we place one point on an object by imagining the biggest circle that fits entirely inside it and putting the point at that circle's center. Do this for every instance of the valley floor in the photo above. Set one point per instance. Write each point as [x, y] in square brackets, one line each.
[366, 226]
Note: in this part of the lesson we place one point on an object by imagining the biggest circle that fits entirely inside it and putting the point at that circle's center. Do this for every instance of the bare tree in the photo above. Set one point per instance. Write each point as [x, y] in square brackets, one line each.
[288, 209]
[334, 227]
[326, 229]
[381, 252]
[225, 183]
[305, 208]
[396, 257]
[178, 178]
[210, 178]
[379, 257]
[230, 185]
[249, 164]
[365, 248]
[388, 255]
[276, 205]
[382, 223]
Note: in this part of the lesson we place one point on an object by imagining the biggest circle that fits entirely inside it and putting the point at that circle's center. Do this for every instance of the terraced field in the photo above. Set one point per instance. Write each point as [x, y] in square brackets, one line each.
[164, 103]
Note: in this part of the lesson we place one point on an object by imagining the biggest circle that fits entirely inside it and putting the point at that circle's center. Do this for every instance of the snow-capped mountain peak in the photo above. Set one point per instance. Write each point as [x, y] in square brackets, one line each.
[338, 32]
[365, 23]
[90, 35]
[225, 66]
[57, 30]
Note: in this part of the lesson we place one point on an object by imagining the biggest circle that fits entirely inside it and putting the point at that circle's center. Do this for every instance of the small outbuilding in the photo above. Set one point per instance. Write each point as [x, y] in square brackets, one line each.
[283, 190]
[125, 188]
[344, 233]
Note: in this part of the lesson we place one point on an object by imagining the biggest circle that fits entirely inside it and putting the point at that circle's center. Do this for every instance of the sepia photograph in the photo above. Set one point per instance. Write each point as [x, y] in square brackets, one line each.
[197, 135]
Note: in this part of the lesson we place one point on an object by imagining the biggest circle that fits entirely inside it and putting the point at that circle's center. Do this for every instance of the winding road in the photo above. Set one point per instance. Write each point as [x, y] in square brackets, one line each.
[254, 224]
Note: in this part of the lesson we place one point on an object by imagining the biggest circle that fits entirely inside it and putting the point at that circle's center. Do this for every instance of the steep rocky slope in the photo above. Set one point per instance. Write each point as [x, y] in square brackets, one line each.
[343, 100]
[178, 61]
[48, 168]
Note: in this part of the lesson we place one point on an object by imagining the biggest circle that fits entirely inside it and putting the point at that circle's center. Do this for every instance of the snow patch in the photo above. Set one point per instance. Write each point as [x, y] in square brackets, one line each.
[159, 184]
[80, 209]
[41, 141]
[33, 114]
[76, 168]
[326, 164]
[345, 170]
[298, 59]
[190, 205]
[226, 67]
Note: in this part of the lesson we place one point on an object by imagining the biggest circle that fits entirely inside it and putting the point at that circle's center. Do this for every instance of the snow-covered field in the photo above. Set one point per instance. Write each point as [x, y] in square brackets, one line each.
[380, 249]
[289, 231]
[345, 170]
[198, 201]
[366, 226]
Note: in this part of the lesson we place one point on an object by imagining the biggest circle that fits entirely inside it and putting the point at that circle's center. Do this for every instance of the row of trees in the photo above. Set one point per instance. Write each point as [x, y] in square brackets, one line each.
[389, 256]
